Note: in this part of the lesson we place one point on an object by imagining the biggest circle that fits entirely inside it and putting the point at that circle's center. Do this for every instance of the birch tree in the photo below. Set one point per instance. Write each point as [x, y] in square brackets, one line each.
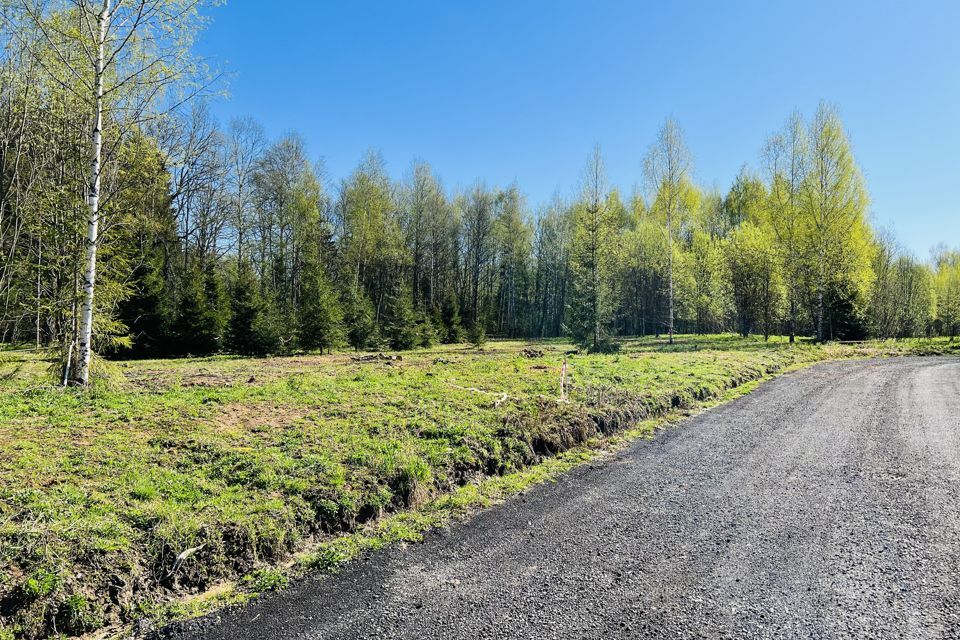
[837, 235]
[667, 168]
[947, 287]
[124, 57]
[786, 159]
[246, 143]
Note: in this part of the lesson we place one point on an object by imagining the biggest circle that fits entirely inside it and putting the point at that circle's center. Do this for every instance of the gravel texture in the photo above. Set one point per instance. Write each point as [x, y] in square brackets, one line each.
[826, 504]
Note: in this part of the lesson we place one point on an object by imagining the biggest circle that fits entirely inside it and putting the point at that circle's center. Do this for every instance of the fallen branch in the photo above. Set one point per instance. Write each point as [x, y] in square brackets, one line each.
[502, 396]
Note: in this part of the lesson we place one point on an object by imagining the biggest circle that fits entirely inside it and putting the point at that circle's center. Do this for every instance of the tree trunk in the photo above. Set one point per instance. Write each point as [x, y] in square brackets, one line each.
[93, 222]
[793, 317]
[670, 270]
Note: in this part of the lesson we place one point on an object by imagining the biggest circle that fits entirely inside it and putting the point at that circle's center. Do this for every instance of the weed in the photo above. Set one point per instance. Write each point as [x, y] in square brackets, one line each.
[263, 580]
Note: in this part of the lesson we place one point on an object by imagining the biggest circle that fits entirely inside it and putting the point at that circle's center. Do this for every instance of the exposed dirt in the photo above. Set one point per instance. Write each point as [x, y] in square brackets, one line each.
[245, 416]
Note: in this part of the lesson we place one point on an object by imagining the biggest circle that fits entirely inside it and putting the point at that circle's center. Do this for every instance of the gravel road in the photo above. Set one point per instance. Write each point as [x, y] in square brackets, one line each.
[826, 504]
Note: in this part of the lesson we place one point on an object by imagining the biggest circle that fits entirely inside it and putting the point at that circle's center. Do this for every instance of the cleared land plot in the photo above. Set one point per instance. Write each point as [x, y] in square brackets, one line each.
[181, 474]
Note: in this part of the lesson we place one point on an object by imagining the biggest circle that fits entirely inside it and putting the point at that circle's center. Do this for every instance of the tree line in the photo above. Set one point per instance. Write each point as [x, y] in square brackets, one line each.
[133, 224]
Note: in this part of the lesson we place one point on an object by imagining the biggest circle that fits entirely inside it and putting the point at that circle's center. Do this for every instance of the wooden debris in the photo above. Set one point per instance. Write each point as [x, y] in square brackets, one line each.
[183, 556]
[377, 357]
[499, 401]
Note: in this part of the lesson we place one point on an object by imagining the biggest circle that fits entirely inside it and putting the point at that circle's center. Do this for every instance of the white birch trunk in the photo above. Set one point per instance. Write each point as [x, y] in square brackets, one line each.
[670, 270]
[93, 222]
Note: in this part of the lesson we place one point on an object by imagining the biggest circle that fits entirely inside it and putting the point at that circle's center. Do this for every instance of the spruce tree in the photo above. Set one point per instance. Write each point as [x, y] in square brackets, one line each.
[200, 316]
[477, 334]
[360, 321]
[426, 333]
[320, 315]
[452, 326]
[592, 306]
[252, 329]
[147, 314]
[400, 325]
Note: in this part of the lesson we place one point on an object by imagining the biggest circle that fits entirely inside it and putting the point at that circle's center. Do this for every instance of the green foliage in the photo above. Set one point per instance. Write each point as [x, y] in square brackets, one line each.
[201, 314]
[947, 289]
[263, 580]
[79, 614]
[755, 276]
[452, 327]
[903, 298]
[837, 241]
[477, 335]
[321, 315]
[365, 265]
[593, 261]
[41, 584]
[253, 327]
[400, 323]
[147, 314]
[360, 320]
[251, 458]
[426, 333]
[744, 203]
[705, 271]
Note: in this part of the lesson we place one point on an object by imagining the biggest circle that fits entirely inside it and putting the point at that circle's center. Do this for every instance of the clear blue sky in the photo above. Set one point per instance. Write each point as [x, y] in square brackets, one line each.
[521, 90]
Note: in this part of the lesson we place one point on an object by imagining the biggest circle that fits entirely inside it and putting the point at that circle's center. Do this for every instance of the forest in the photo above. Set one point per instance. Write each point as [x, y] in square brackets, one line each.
[133, 224]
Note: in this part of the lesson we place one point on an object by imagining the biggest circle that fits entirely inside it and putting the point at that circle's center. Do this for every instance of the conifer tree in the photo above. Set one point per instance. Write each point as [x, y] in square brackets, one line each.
[400, 324]
[453, 332]
[360, 321]
[426, 332]
[477, 335]
[320, 312]
[201, 315]
[321, 316]
[252, 328]
[592, 305]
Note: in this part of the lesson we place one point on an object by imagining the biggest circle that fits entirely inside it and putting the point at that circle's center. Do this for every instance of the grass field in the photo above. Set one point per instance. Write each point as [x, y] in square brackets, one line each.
[174, 478]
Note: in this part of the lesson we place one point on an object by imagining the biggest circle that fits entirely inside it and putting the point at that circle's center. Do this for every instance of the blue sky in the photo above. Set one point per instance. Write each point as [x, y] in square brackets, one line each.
[520, 91]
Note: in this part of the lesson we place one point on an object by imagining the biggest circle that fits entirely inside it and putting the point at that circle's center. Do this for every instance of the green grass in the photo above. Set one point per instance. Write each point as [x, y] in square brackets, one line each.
[239, 466]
